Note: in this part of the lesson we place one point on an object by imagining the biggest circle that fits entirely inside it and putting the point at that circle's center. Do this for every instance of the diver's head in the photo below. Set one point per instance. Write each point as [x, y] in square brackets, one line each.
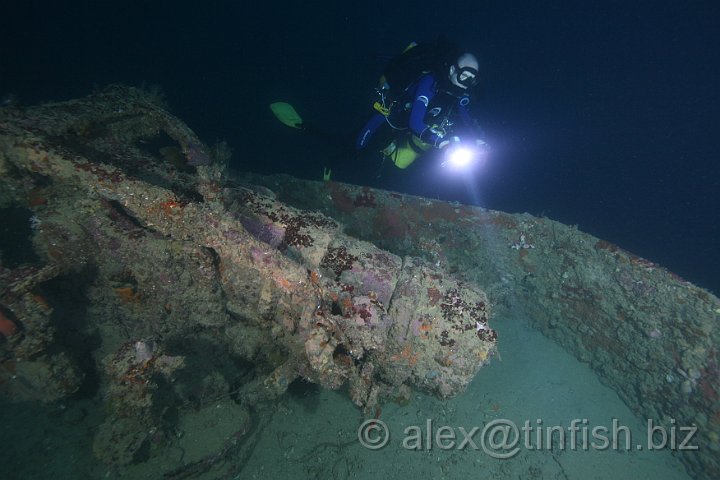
[465, 71]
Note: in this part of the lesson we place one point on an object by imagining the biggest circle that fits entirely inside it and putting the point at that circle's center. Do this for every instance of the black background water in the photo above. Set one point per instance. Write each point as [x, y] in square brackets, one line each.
[604, 114]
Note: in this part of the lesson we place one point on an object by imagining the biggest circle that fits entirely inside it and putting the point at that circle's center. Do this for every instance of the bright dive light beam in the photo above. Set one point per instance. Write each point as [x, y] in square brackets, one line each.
[461, 157]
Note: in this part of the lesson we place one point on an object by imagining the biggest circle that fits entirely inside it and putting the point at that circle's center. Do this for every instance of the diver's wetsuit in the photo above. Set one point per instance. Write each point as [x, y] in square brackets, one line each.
[422, 105]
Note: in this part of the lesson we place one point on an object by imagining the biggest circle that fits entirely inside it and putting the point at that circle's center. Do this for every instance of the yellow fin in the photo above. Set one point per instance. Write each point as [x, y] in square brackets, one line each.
[286, 114]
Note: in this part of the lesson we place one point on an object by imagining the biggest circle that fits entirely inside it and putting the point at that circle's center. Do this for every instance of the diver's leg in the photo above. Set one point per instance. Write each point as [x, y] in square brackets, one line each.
[368, 131]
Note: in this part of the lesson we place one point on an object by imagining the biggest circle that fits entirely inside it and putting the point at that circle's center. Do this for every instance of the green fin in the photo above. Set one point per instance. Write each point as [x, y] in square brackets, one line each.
[326, 174]
[286, 114]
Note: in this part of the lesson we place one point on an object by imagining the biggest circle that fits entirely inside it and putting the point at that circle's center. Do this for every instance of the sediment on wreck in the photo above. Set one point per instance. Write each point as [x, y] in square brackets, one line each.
[191, 286]
[650, 335]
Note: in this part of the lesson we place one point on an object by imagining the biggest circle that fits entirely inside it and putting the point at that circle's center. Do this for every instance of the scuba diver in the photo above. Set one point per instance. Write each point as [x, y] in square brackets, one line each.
[423, 104]
[429, 110]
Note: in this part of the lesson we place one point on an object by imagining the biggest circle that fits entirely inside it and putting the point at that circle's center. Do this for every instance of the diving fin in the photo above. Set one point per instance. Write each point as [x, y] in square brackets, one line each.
[286, 114]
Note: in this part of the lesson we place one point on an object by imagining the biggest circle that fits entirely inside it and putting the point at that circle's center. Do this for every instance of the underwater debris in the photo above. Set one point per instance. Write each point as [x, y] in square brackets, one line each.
[337, 260]
[180, 272]
[196, 155]
[624, 315]
[365, 199]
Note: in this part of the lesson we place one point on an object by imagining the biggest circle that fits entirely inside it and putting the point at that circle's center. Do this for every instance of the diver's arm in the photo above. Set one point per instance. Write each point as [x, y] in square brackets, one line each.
[422, 96]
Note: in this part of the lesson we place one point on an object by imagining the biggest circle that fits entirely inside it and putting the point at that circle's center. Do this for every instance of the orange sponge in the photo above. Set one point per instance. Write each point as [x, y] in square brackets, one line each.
[7, 326]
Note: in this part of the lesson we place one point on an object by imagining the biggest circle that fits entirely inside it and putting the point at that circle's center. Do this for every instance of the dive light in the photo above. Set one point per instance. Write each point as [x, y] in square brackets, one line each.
[462, 155]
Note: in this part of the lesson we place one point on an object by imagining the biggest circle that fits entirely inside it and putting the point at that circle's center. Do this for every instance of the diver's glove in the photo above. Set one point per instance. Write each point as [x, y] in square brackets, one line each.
[446, 142]
[430, 137]
[433, 136]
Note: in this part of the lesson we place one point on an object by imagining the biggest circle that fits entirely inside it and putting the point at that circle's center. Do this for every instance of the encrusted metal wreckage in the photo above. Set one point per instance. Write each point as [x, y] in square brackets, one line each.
[164, 260]
[134, 262]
